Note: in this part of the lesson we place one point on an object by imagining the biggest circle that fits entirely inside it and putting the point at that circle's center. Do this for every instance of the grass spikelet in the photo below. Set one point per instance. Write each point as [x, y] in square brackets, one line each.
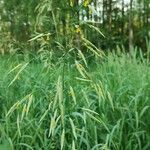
[17, 75]
[62, 139]
[73, 128]
[73, 95]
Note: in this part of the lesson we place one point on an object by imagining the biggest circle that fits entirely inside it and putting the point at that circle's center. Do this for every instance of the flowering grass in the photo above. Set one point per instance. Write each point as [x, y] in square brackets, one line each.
[103, 106]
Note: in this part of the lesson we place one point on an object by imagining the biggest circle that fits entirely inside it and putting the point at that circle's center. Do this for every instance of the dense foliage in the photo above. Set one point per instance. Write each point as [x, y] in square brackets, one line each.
[74, 75]
[56, 108]
[123, 22]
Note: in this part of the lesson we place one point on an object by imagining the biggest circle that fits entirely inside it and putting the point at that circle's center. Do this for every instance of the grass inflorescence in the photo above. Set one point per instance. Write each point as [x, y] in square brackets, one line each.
[104, 106]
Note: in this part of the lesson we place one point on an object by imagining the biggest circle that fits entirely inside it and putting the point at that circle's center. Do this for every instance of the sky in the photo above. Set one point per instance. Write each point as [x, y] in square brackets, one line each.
[126, 1]
[99, 8]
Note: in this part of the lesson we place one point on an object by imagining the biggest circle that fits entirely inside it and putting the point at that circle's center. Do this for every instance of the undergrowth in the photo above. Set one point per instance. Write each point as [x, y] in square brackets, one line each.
[103, 106]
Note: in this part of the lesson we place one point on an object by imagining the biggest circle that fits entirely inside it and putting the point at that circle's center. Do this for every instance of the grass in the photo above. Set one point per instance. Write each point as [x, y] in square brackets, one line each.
[101, 107]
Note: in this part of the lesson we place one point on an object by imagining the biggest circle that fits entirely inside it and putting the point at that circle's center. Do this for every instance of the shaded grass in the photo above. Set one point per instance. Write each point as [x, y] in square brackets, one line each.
[51, 107]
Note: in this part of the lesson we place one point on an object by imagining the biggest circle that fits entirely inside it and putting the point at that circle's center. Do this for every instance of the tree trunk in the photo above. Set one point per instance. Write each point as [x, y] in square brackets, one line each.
[110, 17]
[122, 26]
[130, 27]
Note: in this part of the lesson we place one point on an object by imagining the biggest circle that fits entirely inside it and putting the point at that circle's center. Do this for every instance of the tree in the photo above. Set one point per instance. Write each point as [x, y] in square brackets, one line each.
[130, 26]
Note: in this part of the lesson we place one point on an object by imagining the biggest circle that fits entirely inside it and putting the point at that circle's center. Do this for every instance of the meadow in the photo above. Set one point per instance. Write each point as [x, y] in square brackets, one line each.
[75, 75]
[104, 105]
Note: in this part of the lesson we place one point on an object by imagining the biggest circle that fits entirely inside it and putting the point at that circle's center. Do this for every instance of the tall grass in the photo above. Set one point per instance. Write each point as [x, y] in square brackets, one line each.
[104, 106]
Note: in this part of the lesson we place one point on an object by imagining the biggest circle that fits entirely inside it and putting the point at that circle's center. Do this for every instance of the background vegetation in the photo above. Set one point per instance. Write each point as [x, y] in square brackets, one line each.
[123, 22]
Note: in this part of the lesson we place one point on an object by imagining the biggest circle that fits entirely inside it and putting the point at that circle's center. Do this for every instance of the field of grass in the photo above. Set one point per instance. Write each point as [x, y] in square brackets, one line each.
[104, 106]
